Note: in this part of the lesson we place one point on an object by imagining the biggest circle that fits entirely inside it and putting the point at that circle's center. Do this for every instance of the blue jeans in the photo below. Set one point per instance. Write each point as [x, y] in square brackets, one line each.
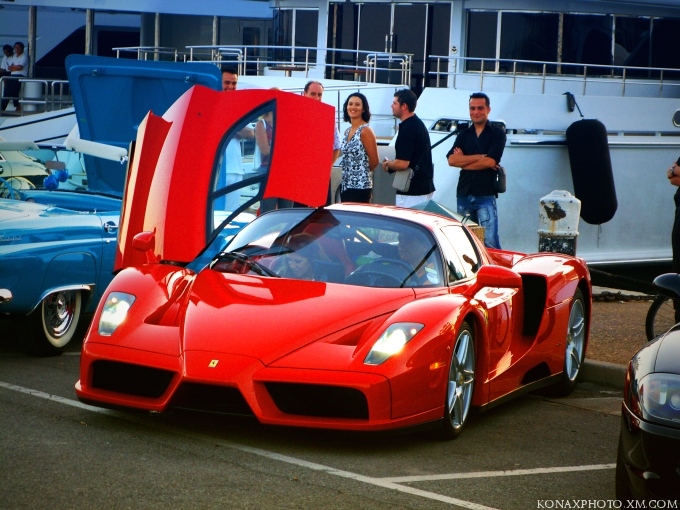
[482, 210]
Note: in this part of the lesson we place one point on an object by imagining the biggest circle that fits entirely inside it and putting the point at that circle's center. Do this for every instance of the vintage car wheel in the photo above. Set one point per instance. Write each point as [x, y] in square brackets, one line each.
[575, 346]
[460, 384]
[54, 322]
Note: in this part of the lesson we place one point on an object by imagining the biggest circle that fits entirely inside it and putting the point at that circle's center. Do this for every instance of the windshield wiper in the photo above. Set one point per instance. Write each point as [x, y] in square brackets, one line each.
[245, 259]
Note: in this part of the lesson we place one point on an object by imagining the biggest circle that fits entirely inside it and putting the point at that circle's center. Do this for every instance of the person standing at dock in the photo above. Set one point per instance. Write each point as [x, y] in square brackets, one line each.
[314, 90]
[231, 171]
[412, 150]
[477, 151]
[359, 149]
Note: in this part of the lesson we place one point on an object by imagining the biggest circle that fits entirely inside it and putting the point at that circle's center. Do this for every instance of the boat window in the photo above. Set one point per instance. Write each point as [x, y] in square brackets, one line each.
[481, 43]
[297, 27]
[450, 125]
[676, 118]
[592, 39]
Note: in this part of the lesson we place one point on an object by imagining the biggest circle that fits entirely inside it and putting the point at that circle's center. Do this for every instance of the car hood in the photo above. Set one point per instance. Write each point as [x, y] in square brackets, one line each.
[668, 355]
[11, 210]
[267, 318]
[112, 96]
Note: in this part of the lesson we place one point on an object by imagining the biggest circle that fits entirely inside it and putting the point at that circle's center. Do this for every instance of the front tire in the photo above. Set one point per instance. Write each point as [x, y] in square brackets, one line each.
[461, 383]
[53, 324]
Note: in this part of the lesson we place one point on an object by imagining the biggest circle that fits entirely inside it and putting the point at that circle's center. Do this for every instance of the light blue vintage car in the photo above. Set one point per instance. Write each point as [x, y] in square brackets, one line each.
[59, 209]
[56, 251]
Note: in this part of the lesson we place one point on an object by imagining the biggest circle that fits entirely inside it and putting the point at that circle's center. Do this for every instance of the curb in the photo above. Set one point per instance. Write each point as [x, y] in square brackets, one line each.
[602, 372]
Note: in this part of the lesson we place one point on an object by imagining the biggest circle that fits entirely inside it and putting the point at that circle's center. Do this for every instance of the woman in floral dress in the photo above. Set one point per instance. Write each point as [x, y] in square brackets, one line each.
[359, 151]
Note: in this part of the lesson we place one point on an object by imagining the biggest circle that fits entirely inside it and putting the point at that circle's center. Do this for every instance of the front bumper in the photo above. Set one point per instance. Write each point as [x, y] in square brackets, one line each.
[232, 384]
[652, 457]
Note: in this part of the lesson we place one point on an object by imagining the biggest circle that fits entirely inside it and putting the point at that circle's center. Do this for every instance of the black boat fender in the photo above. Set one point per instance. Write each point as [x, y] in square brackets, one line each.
[591, 170]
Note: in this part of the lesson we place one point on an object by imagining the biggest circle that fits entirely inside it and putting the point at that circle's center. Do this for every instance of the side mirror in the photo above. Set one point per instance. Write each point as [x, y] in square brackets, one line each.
[144, 245]
[498, 276]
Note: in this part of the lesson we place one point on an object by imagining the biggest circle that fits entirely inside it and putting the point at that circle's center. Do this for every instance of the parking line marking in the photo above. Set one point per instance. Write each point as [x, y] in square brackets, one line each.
[47, 396]
[379, 482]
[492, 474]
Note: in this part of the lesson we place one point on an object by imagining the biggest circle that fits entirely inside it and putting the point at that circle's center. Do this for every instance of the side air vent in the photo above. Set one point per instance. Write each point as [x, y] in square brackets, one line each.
[535, 294]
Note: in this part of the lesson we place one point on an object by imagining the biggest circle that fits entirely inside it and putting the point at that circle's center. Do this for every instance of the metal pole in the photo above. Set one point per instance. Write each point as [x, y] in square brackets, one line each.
[89, 32]
[32, 50]
[156, 34]
[216, 31]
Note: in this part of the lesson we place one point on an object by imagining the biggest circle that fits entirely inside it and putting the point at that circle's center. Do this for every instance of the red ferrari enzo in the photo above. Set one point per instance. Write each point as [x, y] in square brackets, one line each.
[357, 317]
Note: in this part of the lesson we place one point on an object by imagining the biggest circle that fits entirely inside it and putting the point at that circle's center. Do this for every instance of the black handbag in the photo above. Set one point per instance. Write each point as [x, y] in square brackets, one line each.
[499, 181]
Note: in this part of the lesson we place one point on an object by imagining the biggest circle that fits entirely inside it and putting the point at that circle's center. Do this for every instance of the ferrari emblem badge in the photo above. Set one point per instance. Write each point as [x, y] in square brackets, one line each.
[213, 363]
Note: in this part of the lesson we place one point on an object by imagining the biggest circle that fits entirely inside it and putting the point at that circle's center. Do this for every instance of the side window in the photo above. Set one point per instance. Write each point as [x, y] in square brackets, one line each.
[463, 256]
[242, 165]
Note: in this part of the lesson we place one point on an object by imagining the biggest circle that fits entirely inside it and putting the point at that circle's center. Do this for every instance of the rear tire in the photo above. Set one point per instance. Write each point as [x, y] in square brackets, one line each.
[54, 322]
[575, 349]
[660, 317]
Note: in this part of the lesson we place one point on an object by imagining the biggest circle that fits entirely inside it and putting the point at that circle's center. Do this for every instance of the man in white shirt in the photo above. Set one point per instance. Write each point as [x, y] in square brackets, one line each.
[18, 66]
[314, 89]
[4, 65]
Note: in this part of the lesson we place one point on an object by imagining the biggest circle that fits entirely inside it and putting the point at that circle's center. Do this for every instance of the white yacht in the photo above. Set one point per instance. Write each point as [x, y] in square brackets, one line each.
[545, 66]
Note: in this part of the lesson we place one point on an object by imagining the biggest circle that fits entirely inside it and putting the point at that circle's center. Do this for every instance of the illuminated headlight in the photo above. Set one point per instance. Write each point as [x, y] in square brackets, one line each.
[657, 399]
[392, 341]
[114, 312]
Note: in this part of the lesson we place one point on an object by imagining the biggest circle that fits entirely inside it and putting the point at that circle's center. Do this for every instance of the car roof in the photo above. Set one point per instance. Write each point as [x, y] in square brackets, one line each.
[428, 219]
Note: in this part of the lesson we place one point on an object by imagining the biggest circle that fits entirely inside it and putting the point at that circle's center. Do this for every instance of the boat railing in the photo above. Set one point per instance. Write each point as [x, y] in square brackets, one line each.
[307, 61]
[369, 66]
[38, 95]
[152, 53]
[505, 75]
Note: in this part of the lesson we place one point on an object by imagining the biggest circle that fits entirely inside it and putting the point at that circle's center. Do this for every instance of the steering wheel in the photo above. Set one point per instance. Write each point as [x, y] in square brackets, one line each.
[7, 190]
[382, 272]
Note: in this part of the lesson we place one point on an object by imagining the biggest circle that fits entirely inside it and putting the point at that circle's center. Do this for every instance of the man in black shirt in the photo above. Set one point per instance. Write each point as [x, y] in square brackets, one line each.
[412, 150]
[477, 152]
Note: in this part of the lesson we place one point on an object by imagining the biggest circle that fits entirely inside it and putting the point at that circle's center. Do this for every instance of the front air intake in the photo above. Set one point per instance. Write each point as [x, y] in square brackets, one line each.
[135, 380]
[318, 400]
[211, 399]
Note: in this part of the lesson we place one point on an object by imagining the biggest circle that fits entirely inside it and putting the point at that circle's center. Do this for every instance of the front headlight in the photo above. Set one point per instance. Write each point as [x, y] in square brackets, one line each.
[392, 341]
[114, 312]
[657, 398]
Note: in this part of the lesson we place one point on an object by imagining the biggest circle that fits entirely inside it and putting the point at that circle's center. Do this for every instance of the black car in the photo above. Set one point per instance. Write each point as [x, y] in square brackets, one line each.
[648, 460]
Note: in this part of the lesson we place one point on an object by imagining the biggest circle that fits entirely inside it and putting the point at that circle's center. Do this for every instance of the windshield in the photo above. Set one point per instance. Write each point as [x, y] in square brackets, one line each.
[334, 247]
[45, 168]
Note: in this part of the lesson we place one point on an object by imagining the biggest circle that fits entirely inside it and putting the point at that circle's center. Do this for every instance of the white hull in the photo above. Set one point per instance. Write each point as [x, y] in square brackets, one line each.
[48, 127]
